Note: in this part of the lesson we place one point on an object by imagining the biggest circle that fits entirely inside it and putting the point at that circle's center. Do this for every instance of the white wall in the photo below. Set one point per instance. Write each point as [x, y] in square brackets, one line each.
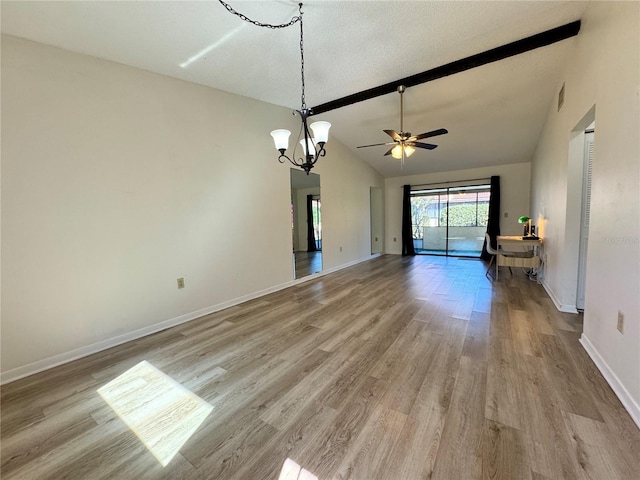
[603, 70]
[514, 197]
[117, 181]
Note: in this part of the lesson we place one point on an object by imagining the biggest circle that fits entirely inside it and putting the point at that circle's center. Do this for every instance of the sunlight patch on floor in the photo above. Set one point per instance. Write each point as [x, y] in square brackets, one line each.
[161, 412]
[292, 471]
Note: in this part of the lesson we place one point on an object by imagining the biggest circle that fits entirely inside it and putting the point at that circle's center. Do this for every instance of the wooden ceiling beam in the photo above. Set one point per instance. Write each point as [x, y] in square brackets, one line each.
[495, 54]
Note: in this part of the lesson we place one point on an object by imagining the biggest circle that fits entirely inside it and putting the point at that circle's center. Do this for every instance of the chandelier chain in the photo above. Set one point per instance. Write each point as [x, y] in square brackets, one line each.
[293, 21]
[303, 101]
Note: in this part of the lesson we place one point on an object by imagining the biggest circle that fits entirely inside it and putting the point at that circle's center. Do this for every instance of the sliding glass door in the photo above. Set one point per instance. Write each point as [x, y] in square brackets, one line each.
[450, 220]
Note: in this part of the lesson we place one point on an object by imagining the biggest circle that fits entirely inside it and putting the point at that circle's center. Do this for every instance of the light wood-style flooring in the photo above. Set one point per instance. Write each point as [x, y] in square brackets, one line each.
[394, 369]
[307, 263]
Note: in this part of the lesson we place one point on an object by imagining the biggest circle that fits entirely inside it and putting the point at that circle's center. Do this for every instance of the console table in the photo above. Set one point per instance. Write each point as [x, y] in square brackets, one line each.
[531, 261]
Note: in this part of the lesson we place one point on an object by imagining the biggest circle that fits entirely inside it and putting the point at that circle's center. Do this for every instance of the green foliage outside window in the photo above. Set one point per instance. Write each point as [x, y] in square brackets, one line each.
[422, 209]
[465, 215]
[432, 210]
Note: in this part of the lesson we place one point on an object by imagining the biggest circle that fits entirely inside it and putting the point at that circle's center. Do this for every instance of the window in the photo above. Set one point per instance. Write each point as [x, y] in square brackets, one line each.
[450, 220]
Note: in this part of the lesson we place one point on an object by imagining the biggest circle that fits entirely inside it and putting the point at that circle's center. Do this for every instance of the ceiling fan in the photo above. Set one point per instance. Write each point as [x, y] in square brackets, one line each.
[404, 144]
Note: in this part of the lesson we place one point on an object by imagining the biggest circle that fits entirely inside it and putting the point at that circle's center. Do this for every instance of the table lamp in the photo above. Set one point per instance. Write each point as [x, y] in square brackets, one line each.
[527, 227]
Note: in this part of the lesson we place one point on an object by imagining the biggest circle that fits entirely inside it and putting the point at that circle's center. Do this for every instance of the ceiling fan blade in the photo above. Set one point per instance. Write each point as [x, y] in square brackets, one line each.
[428, 146]
[376, 145]
[389, 152]
[434, 133]
[393, 134]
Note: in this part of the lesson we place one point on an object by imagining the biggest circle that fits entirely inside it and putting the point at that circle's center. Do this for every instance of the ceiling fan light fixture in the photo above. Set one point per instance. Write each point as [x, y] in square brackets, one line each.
[405, 143]
[396, 152]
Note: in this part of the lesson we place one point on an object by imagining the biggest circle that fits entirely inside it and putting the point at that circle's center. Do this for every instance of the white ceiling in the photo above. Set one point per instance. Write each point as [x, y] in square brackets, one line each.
[494, 113]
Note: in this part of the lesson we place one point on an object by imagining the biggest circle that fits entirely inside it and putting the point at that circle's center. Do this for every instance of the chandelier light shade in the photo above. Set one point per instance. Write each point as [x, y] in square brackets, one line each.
[321, 131]
[309, 147]
[312, 145]
[281, 139]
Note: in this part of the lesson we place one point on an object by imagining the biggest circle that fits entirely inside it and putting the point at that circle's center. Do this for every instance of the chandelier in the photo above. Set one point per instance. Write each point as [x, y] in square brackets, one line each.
[312, 145]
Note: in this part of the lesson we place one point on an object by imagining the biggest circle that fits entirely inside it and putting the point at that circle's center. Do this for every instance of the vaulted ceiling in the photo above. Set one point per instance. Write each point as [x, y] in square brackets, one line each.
[494, 113]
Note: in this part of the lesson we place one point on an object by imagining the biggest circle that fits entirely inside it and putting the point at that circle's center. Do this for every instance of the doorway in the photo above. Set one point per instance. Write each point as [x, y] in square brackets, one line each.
[306, 223]
[574, 258]
[450, 221]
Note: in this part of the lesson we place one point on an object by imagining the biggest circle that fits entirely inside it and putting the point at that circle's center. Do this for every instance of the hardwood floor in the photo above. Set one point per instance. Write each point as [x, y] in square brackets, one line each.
[394, 369]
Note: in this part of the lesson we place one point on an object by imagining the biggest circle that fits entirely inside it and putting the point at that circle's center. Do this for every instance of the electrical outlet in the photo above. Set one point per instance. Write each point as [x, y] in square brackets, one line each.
[620, 321]
[340, 248]
[181, 282]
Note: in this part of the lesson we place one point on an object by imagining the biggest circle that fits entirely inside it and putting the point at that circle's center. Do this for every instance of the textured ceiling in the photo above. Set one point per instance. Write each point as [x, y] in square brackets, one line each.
[494, 113]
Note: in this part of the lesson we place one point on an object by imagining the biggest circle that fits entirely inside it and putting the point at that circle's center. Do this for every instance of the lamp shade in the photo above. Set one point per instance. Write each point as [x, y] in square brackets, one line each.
[281, 139]
[523, 219]
[396, 152]
[320, 131]
[309, 147]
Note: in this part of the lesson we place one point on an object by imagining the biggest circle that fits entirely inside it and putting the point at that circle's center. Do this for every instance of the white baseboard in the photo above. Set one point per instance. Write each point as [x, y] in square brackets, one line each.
[559, 305]
[66, 357]
[616, 385]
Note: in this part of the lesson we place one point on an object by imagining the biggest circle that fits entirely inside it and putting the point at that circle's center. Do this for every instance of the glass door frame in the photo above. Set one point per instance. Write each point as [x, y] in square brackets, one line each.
[475, 218]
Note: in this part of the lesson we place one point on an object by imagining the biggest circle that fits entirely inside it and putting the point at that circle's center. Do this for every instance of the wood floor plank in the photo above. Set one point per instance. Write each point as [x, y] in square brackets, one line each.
[72, 451]
[373, 446]
[500, 322]
[549, 444]
[304, 427]
[538, 316]
[322, 456]
[415, 451]
[482, 300]
[505, 455]
[588, 437]
[476, 342]
[460, 450]
[42, 438]
[406, 380]
[505, 392]
[523, 333]
[570, 388]
[392, 359]
[243, 402]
